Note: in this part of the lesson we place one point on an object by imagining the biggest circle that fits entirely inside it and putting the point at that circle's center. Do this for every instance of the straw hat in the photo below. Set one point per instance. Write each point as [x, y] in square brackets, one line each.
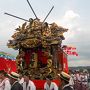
[64, 76]
[14, 75]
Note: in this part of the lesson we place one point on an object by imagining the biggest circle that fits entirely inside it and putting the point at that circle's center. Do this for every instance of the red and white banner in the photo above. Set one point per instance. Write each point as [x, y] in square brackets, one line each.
[70, 50]
[8, 65]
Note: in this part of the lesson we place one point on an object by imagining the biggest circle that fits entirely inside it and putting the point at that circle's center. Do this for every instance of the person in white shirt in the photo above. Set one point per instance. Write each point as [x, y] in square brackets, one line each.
[21, 81]
[5, 84]
[28, 84]
[64, 78]
[49, 85]
[84, 80]
[71, 81]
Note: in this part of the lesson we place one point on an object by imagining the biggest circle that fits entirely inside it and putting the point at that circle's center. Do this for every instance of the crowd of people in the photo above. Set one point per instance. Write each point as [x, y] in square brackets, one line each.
[72, 81]
[80, 80]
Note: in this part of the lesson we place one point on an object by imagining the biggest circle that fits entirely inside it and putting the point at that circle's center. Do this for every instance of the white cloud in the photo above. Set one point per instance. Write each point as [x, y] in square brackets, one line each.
[70, 15]
[74, 35]
[70, 20]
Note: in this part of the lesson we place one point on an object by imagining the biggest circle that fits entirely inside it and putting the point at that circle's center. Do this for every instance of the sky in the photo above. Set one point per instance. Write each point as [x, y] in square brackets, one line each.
[71, 14]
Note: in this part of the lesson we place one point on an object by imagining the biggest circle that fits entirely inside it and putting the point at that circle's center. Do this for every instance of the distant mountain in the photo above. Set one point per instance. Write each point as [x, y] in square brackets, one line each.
[80, 68]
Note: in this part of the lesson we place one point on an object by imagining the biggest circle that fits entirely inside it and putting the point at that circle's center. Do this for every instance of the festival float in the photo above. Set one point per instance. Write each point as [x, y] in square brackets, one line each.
[40, 49]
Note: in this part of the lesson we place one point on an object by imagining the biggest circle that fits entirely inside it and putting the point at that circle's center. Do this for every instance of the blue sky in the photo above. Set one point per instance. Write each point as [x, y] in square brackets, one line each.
[72, 14]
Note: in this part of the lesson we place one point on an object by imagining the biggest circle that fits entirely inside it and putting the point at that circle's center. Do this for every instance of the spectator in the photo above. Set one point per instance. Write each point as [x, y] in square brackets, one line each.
[65, 81]
[71, 81]
[15, 85]
[28, 84]
[5, 84]
[49, 85]
[21, 79]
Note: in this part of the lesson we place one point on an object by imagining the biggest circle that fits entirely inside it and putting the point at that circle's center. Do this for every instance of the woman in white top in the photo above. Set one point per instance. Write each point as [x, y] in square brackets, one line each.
[5, 84]
[28, 84]
[49, 85]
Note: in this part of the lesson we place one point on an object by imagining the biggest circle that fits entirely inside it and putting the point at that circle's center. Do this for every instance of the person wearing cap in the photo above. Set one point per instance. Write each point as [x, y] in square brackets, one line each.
[5, 84]
[15, 85]
[64, 77]
[28, 84]
[49, 85]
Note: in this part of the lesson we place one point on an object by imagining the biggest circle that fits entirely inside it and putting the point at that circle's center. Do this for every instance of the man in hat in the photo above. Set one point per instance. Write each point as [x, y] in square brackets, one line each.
[64, 77]
[28, 84]
[5, 84]
[15, 85]
[49, 85]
